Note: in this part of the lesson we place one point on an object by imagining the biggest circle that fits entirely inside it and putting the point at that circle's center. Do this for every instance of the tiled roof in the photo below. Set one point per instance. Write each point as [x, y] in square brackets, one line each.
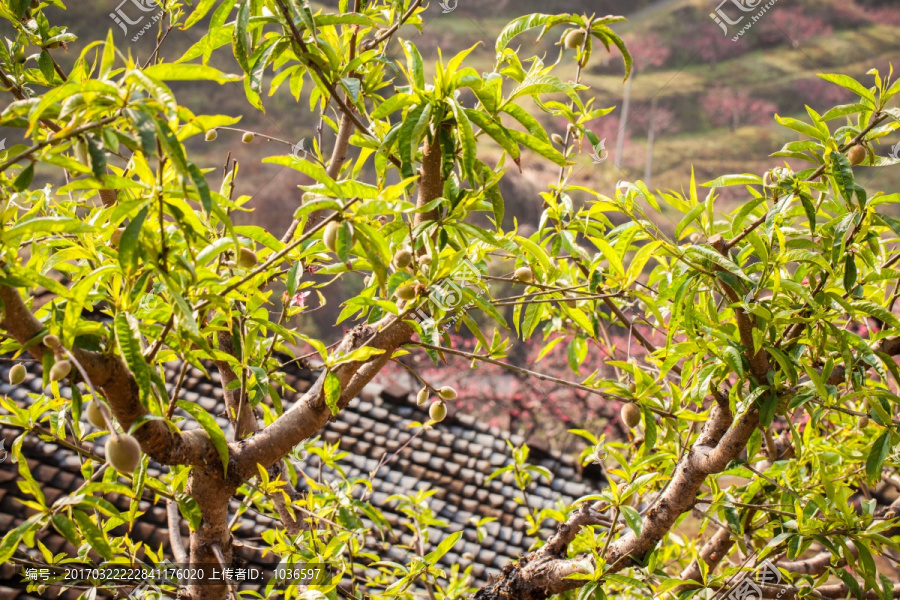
[454, 458]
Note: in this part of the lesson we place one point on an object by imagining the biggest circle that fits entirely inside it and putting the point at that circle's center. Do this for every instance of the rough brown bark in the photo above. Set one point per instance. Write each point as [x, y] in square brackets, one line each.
[431, 181]
[109, 374]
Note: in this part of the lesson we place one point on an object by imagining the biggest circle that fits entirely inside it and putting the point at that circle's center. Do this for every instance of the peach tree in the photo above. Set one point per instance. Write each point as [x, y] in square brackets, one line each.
[762, 399]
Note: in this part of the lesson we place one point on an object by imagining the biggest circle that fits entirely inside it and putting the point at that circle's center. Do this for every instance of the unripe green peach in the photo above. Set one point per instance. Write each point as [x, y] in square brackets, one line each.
[95, 412]
[247, 259]
[60, 370]
[51, 341]
[17, 374]
[406, 292]
[422, 396]
[857, 155]
[557, 139]
[575, 39]
[631, 415]
[696, 238]
[438, 411]
[330, 235]
[525, 274]
[211, 135]
[248, 137]
[863, 422]
[447, 393]
[403, 258]
[425, 260]
[123, 453]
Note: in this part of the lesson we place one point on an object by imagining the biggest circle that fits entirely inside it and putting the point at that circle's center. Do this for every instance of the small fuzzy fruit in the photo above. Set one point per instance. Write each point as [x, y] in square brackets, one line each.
[247, 259]
[248, 137]
[60, 370]
[525, 274]
[403, 258]
[447, 393]
[406, 292]
[17, 374]
[330, 235]
[863, 422]
[631, 415]
[51, 341]
[632, 388]
[95, 411]
[575, 39]
[116, 237]
[425, 260]
[19, 56]
[438, 411]
[211, 135]
[557, 139]
[857, 155]
[123, 453]
[422, 396]
[696, 238]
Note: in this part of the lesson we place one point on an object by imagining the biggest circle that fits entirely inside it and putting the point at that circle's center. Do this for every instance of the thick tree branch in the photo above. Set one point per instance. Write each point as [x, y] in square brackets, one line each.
[111, 377]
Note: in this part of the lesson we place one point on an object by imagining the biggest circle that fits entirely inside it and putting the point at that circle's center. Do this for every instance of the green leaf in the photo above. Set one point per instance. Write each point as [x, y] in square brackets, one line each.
[522, 24]
[76, 304]
[203, 7]
[202, 188]
[879, 451]
[128, 338]
[727, 180]
[539, 146]
[632, 518]
[443, 548]
[208, 423]
[13, 537]
[843, 176]
[24, 178]
[851, 84]
[704, 252]
[293, 277]
[93, 534]
[188, 72]
[876, 311]
[332, 392]
[66, 527]
[45, 225]
[129, 250]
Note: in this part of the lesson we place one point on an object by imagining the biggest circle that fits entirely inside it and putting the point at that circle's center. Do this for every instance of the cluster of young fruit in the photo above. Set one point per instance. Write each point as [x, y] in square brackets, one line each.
[438, 409]
[122, 450]
[405, 260]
